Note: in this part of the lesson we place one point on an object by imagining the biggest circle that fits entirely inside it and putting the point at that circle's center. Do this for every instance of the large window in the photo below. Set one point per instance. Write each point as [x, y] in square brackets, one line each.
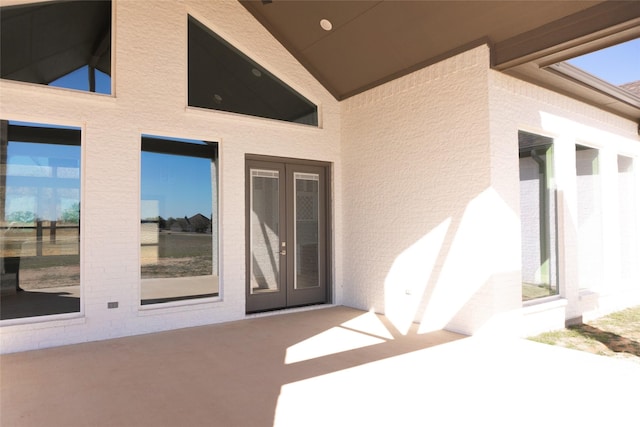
[589, 217]
[222, 78]
[58, 43]
[538, 217]
[39, 220]
[178, 220]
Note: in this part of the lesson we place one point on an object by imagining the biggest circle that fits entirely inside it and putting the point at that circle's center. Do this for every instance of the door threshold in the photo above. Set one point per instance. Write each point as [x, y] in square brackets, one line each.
[287, 310]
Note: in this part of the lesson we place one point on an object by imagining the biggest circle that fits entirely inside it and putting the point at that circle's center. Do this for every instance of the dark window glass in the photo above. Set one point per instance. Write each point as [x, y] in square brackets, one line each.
[178, 220]
[64, 44]
[39, 220]
[222, 78]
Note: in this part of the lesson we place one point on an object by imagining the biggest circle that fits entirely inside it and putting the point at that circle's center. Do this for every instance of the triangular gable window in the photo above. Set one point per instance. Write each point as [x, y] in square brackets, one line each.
[223, 78]
[48, 43]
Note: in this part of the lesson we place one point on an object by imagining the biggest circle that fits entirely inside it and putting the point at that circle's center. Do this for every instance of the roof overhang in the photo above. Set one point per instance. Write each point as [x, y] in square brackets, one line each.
[373, 42]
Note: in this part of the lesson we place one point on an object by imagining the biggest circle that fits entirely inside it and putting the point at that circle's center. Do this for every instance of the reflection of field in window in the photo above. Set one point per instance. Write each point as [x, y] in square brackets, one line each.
[39, 220]
[181, 254]
[178, 220]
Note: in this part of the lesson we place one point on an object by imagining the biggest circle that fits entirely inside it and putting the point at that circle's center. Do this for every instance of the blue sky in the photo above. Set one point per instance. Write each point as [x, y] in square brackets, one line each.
[28, 164]
[79, 79]
[175, 186]
[618, 64]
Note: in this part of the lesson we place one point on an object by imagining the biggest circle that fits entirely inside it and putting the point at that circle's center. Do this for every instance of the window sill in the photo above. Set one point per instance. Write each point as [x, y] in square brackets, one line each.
[178, 306]
[43, 322]
[543, 304]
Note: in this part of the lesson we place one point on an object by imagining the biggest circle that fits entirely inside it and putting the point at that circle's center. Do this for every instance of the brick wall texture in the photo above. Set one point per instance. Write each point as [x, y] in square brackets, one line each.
[425, 181]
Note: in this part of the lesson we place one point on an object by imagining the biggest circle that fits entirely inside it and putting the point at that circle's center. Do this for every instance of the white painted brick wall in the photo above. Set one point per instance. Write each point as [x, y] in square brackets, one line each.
[150, 77]
[422, 220]
[431, 185]
[517, 105]
[426, 165]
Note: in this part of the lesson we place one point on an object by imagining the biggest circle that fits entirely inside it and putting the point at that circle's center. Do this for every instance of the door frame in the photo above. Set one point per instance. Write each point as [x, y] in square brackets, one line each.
[328, 250]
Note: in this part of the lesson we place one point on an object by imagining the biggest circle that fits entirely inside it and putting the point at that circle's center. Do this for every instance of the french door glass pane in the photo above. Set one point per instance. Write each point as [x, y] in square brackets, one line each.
[306, 230]
[264, 229]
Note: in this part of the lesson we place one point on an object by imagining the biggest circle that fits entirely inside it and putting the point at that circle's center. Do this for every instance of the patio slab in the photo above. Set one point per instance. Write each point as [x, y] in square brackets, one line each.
[333, 366]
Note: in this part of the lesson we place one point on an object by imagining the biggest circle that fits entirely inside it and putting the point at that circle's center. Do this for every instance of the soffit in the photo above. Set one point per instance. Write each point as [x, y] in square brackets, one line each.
[373, 42]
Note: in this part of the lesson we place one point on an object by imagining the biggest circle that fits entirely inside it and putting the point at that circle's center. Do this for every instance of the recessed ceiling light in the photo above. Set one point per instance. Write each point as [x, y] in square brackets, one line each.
[217, 98]
[256, 72]
[326, 24]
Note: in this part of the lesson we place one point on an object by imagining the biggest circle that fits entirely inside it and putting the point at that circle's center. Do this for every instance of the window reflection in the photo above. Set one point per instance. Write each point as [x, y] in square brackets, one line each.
[58, 43]
[223, 78]
[178, 220]
[39, 220]
[538, 217]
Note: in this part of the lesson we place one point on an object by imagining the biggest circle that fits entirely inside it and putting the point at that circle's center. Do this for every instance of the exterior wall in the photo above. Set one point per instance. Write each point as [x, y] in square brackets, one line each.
[432, 228]
[150, 86]
[428, 237]
[517, 105]
[427, 165]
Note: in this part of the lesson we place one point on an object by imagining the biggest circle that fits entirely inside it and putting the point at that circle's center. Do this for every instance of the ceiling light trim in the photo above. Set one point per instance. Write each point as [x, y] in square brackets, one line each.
[326, 25]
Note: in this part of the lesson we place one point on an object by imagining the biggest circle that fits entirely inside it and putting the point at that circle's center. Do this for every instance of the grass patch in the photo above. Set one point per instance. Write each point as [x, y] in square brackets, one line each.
[616, 335]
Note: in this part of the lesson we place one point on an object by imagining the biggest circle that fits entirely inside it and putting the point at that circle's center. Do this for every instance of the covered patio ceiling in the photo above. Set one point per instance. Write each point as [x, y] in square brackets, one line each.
[372, 42]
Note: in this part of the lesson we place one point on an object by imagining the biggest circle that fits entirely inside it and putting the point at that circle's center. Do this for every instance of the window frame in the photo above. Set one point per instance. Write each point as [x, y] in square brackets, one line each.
[552, 223]
[202, 24]
[195, 148]
[55, 134]
[106, 44]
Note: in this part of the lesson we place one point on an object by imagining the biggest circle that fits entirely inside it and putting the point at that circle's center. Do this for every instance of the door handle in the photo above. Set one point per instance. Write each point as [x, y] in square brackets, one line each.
[283, 252]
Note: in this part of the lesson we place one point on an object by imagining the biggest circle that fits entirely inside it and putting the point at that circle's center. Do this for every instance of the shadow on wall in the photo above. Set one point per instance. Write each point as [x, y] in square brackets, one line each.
[459, 274]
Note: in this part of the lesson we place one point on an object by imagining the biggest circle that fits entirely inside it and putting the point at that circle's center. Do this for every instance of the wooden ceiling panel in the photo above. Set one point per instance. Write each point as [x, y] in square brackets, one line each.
[374, 41]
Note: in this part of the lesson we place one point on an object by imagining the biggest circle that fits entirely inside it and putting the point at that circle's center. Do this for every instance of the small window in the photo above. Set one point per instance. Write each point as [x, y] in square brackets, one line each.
[222, 78]
[63, 44]
[629, 221]
[589, 217]
[178, 220]
[39, 220]
[537, 217]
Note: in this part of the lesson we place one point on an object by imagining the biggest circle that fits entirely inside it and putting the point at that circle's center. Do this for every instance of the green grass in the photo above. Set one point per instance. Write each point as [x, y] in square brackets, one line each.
[616, 335]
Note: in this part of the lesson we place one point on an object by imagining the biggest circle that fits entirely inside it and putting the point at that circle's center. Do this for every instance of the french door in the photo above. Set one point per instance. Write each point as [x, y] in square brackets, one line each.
[286, 214]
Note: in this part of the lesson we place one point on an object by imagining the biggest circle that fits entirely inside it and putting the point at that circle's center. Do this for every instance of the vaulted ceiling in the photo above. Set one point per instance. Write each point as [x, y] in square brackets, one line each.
[372, 42]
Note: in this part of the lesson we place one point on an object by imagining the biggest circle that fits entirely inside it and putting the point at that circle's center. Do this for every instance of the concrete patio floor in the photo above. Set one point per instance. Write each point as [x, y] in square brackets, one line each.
[334, 366]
